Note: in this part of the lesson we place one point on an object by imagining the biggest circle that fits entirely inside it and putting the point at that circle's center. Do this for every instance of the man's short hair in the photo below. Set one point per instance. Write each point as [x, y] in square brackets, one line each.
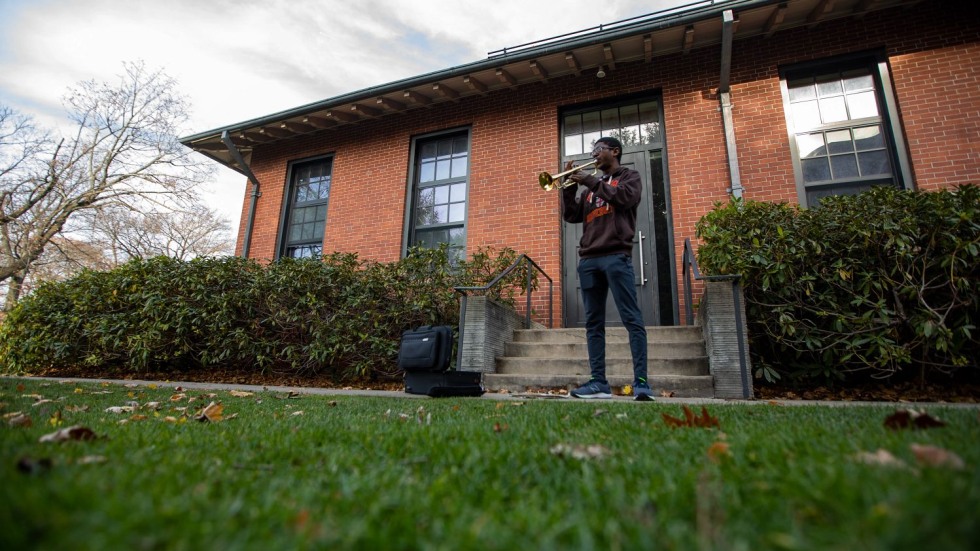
[612, 142]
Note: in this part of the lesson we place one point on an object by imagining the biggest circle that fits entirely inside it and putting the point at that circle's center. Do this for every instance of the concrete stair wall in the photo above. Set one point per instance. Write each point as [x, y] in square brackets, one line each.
[558, 358]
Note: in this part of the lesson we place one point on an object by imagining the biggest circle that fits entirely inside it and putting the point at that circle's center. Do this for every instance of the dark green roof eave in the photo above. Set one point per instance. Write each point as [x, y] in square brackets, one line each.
[637, 27]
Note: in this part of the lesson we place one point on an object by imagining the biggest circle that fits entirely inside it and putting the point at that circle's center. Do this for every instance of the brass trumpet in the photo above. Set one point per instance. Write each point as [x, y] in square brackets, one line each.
[549, 182]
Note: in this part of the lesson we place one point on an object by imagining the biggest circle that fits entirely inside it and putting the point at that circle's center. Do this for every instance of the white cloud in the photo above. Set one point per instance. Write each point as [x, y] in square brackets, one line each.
[238, 60]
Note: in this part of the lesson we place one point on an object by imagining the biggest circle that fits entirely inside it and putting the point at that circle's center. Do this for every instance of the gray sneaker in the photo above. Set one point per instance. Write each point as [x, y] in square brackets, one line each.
[593, 390]
[642, 393]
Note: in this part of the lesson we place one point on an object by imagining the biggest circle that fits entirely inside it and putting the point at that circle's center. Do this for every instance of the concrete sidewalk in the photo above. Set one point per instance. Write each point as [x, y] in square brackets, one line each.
[489, 395]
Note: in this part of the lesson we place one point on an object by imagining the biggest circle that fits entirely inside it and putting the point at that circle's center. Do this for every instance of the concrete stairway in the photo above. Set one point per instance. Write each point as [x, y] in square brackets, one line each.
[558, 358]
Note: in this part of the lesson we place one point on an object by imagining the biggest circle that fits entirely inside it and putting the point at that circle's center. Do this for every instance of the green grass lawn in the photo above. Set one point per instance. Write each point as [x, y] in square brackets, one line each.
[349, 472]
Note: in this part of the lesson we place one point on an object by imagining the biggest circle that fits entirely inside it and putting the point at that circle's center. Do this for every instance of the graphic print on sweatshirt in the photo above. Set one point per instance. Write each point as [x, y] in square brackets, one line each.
[599, 205]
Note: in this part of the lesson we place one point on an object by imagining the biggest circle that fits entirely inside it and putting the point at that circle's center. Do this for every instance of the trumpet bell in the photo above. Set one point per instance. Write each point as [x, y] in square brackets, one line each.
[549, 182]
[546, 181]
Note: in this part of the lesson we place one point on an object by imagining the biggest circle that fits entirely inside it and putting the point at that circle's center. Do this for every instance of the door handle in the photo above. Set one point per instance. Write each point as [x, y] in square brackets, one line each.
[643, 277]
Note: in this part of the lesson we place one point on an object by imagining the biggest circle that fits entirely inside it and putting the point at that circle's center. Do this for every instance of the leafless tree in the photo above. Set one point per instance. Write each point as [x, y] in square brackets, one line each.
[189, 232]
[123, 150]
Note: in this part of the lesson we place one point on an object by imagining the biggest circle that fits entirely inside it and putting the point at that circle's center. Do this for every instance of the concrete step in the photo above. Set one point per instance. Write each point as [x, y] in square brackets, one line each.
[543, 349]
[680, 386]
[615, 366]
[655, 335]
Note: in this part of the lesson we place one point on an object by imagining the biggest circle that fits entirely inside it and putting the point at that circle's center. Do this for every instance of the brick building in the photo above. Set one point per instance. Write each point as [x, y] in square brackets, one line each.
[763, 99]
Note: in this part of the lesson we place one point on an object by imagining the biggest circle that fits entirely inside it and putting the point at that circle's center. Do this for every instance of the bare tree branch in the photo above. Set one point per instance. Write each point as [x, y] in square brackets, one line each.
[124, 149]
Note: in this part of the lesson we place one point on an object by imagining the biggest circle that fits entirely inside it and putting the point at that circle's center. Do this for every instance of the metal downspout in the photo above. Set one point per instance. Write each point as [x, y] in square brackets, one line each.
[725, 99]
[250, 221]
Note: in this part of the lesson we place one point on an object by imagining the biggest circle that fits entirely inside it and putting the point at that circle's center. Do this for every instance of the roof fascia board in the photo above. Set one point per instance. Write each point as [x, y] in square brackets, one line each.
[672, 20]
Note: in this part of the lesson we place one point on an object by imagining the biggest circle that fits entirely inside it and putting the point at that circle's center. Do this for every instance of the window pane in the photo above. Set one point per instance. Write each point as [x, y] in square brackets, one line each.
[858, 80]
[460, 145]
[844, 166]
[829, 86]
[573, 145]
[629, 115]
[610, 121]
[428, 151]
[318, 230]
[427, 196]
[299, 216]
[862, 105]
[458, 193]
[442, 195]
[839, 142]
[816, 170]
[811, 145]
[805, 115]
[442, 169]
[874, 162]
[868, 137]
[427, 172]
[590, 122]
[459, 167]
[457, 212]
[441, 214]
[573, 125]
[445, 149]
[456, 236]
[425, 215]
[651, 133]
[325, 188]
[800, 90]
[833, 109]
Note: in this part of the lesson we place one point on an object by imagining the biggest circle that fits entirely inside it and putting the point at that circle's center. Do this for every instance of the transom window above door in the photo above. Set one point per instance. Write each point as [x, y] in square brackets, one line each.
[633, 124]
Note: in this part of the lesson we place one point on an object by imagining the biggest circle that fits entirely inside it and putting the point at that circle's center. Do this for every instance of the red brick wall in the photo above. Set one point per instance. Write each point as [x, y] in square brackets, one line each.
[932, 53]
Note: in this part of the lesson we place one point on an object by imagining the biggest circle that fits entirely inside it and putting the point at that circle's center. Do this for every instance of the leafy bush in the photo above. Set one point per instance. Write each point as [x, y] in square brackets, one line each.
[341, 316]
[870, 284]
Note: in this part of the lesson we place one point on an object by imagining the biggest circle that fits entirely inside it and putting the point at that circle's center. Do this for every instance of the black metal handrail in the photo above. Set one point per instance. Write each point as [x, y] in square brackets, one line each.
[527, 322]
[527, 289]
[691, 265]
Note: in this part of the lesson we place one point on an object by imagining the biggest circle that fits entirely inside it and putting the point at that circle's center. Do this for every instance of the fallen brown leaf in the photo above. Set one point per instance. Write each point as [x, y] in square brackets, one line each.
[497, 427]
[910, 418]
[881, 458]
[667, 393]
[20, 420]
[718, 451]
[691, 420]
[580, 451]
[932, 456]
[76, 432]
[213, 413]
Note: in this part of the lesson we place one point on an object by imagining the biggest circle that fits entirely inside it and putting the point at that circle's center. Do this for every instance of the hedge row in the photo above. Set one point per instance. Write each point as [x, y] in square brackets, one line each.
[881, 284]
[342, 316]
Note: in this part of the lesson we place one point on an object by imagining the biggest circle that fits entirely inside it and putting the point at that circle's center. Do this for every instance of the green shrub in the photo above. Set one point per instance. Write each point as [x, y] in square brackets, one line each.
[341, 316]
[879, 284]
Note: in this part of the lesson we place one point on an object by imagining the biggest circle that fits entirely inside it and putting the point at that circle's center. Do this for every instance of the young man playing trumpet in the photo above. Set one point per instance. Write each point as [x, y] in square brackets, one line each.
[607, 210]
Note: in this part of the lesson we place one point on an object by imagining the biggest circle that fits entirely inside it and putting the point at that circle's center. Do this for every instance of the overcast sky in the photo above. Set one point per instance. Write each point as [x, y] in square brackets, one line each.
[240, 59]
